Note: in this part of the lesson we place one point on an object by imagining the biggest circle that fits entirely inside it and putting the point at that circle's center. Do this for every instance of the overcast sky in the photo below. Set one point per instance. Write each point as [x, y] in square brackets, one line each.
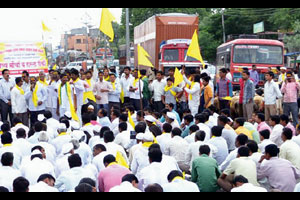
[24, 24]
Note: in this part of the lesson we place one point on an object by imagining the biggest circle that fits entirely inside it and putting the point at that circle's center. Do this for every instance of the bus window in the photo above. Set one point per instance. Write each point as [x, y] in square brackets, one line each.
[171, 55]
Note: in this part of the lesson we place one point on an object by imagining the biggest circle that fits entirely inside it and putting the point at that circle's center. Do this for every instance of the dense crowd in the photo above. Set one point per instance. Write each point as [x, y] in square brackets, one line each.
[99, 131]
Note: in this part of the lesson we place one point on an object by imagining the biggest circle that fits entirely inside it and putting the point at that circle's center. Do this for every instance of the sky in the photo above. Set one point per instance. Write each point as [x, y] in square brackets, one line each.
[25, 24]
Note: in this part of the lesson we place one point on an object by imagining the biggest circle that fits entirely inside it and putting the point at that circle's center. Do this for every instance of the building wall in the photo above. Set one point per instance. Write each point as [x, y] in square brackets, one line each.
[78, 42]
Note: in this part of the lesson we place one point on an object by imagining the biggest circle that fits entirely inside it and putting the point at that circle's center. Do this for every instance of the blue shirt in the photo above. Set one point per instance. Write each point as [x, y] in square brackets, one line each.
[186, 130]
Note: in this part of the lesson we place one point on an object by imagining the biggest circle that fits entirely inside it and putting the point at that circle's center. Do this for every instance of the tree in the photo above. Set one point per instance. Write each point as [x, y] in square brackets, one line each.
[293, 42]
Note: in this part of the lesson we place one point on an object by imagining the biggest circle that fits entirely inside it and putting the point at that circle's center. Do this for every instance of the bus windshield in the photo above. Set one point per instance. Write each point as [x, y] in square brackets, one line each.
[258, 54]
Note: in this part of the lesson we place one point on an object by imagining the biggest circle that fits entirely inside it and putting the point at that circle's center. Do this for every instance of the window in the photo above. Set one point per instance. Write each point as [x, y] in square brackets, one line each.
[78, 41]
[171, 54]
[189, 58]
[258, 54]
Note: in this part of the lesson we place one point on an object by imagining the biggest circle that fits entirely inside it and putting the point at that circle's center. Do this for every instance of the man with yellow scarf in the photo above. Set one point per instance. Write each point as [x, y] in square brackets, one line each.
[170, 93]
[194, 92]
[36, 97]
[79, 89]
[136, 90]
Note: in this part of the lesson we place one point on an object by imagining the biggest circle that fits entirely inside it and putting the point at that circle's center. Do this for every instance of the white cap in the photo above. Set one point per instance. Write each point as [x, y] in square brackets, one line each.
[148, 137]
[36, 152]
[75, 125]
[41, 117]
[150, 118]
[91, 107]
[171, 115]
[283, 68]
[139, 136]
[77, 134]
[61, 126]
[68, 114]
[66, 148]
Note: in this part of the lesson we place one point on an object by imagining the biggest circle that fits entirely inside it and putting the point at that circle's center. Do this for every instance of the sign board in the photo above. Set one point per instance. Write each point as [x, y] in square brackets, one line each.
[20, 56]
[259, 27]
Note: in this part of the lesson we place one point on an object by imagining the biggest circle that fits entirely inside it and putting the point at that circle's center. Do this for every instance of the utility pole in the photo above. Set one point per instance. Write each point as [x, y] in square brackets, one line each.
[127, 39]
[223, 25]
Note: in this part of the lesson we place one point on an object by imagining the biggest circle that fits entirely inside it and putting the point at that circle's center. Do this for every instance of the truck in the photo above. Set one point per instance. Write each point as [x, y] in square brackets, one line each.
[166, 38]
[101, 60]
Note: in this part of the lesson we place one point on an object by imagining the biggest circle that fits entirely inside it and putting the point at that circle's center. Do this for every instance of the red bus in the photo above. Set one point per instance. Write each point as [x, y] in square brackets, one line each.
[240, 53]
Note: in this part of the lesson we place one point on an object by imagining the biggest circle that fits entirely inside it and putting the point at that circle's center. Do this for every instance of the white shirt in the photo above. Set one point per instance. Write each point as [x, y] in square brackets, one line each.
[296, 139]
[232, 155]
[18, 101]
[221, 145]
[7, 176]
[262, 145]
[248, 187]
[16, 152]
[179, 185]
[123, 139]
[140, 160]
[229, 76]
[24, 146]
[85, 153]
[275, 136]
[5, 89]
[42, 187]
[98, 160]
[36, 167]
[16, 127]
[114, 95]
[59, 141]
[50, 151]
[124, 187]
[41, 95]
[206, 129]
[79, 89]
[230, 137]
[177, 148]
[193, 151]
[136, 93]
[154, 173]
[125, 84]
[271, 91]
[195, 92]
[69, 179]
[113, 148]
[158, 88]
[53, 93]
[65, 104]
[163, 141]
[290, 150]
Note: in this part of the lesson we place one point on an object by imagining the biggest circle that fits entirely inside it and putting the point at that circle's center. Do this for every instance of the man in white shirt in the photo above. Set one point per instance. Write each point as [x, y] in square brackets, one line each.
[177, 148]
[271, 92]
[200, 120]
[17, 124]
[36, 167]
[18, 101]
[61, 139]
[136, 90]
[21, 143]
[7, 173]
[194, 93]
[114, 93]
[69, 179]
[265, 141]
[6, 85]
[126, 79]
[289, 150]
[276, 130]
[99, 152]
[165, 137]
[8, 146]
[178, 184]
[129, 184]
[103, 119]
[36, 97]
[101, 90]
[241, 184]
[53, 93]
[45, 183]
[123, 138]
[157, 87]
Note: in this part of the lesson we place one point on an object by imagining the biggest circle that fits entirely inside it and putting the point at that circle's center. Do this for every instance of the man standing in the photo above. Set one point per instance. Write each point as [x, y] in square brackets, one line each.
[224, 89]
[6, 85]
[37, 97]
[136, 90]
[146, 91]
[101, 90]
[79, 89]
[249, 92]
[114, 93]
[26, 81]
[125, 81]
[52, 92]
[290, 89]
[254, 75]
[157, 87]
[18, 101]
[271, 91]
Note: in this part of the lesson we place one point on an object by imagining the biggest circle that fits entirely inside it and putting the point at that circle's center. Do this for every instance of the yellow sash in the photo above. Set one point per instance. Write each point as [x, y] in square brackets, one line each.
[89, 95]
[192, 85]
[43, 82]
[177, 178]
[113, 85]
[135, 81]
[147, 144]
[62, 133]
[131, 122]
[72, 109]
[121, 160]
[112, 163]
[7, 145]
[20, 89]
[122, 96]
[34, 95]
[1, 132]
[167, 88]
[107, 78]
[87, 124]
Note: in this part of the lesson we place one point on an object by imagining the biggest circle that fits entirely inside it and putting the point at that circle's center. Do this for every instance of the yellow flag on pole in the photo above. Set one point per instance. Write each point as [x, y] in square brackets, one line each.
[143, 57]
[45, 28]
[194, 49]
[178, 77]
[106, 23]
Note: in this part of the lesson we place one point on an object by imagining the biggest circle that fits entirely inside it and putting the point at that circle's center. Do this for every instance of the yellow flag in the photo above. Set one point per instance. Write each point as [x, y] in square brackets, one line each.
[194, 49]
[143, 57]
[178, 77]
[45, 28]
[130, 120]
[54, 67]
[106, 23]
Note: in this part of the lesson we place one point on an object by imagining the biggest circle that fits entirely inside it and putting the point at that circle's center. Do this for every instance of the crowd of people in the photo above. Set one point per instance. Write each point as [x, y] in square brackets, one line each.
[99, 131]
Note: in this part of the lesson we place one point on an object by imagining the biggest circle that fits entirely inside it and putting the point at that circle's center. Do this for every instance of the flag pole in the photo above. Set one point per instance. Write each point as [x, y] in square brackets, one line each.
[141, 100]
